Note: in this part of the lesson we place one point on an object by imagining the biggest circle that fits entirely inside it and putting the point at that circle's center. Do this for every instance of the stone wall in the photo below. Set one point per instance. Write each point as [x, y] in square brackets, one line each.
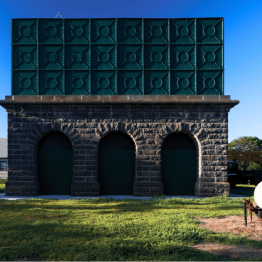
[148, 124]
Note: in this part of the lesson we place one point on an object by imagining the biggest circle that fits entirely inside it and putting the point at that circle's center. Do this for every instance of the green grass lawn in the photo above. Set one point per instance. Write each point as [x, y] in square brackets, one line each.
[109, 229]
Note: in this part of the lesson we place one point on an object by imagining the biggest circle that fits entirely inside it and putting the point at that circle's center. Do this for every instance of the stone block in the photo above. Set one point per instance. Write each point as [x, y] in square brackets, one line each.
[155, 168]
[79, 179]
[93, 190]
[28, 190]
[155, 178]
[91, 179]
[156, 191]
[141, 179]
[78, 189]
[142, 168]
[141, 190]
[13, 178]
[11, 189]
[26, 178]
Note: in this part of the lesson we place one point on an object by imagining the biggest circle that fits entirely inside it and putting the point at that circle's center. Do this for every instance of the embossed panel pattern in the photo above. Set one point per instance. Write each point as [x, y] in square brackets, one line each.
[117, 56]
[157, 83]
[77, 31]
[77, 57]
[210, 57]
[183, 31]
[25, 83]
[103, 31]
[104, 57]
[77, 83]
[51, 83]
[156, 31]
[103, 83]
[51, 57]
[184, 83]
[210, 31]
[130, 57]
[210, 83]
[25, 57]
[130, 31]
[157, 57]
[51, 31]
[183, 57]
[130, 83]
[25, 31]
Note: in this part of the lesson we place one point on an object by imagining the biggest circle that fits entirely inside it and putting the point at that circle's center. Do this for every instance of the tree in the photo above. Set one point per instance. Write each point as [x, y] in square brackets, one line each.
[246, 144]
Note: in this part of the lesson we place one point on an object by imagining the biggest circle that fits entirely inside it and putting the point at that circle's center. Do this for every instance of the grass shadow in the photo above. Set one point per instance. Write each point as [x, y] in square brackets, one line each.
[243, 190]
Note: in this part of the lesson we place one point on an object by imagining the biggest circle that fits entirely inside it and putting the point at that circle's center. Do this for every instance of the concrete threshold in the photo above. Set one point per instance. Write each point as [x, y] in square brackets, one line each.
[121, 197]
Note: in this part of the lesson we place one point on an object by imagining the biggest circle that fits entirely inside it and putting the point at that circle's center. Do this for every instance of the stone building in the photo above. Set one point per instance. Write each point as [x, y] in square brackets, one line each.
[162, 129]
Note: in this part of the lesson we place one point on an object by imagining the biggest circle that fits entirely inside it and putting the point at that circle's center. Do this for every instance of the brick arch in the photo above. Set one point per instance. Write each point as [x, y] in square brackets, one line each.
[179, 127]
[48, 132]
[67, 129]
[41, 130]
[192, 130]
[116, 131]
[129, 129]
[105, 129]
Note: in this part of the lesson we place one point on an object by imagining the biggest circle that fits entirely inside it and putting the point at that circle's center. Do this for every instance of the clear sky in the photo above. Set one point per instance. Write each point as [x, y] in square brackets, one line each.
[243, 43]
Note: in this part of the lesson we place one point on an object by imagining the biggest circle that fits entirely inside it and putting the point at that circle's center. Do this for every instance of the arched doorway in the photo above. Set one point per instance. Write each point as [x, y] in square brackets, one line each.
[55, 164]
[116, 164]
[178, 164]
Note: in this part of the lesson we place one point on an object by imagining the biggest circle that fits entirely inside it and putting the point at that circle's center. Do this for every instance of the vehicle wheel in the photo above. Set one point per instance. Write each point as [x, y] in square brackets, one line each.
[259, 214]
[232, 182]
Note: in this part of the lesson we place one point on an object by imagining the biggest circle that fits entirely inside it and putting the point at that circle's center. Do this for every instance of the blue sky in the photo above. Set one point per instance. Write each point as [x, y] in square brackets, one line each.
[243, 38]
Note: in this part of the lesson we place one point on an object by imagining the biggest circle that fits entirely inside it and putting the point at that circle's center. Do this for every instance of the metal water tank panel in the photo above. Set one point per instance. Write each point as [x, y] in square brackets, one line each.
[127, 56]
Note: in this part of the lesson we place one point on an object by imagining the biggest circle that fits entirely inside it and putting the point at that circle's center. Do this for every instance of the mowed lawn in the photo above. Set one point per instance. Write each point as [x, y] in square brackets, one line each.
[108, 229]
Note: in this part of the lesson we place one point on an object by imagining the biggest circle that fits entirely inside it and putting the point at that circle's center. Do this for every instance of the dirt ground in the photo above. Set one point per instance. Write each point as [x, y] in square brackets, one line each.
[236, 226]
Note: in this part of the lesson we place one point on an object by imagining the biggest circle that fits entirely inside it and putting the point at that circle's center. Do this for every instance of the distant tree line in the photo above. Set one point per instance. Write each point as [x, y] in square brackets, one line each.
[246, 144]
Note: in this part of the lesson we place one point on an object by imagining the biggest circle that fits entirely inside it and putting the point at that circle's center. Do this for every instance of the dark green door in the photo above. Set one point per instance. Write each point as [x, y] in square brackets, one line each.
[55, 165]
[116, 164]
[178, 165]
